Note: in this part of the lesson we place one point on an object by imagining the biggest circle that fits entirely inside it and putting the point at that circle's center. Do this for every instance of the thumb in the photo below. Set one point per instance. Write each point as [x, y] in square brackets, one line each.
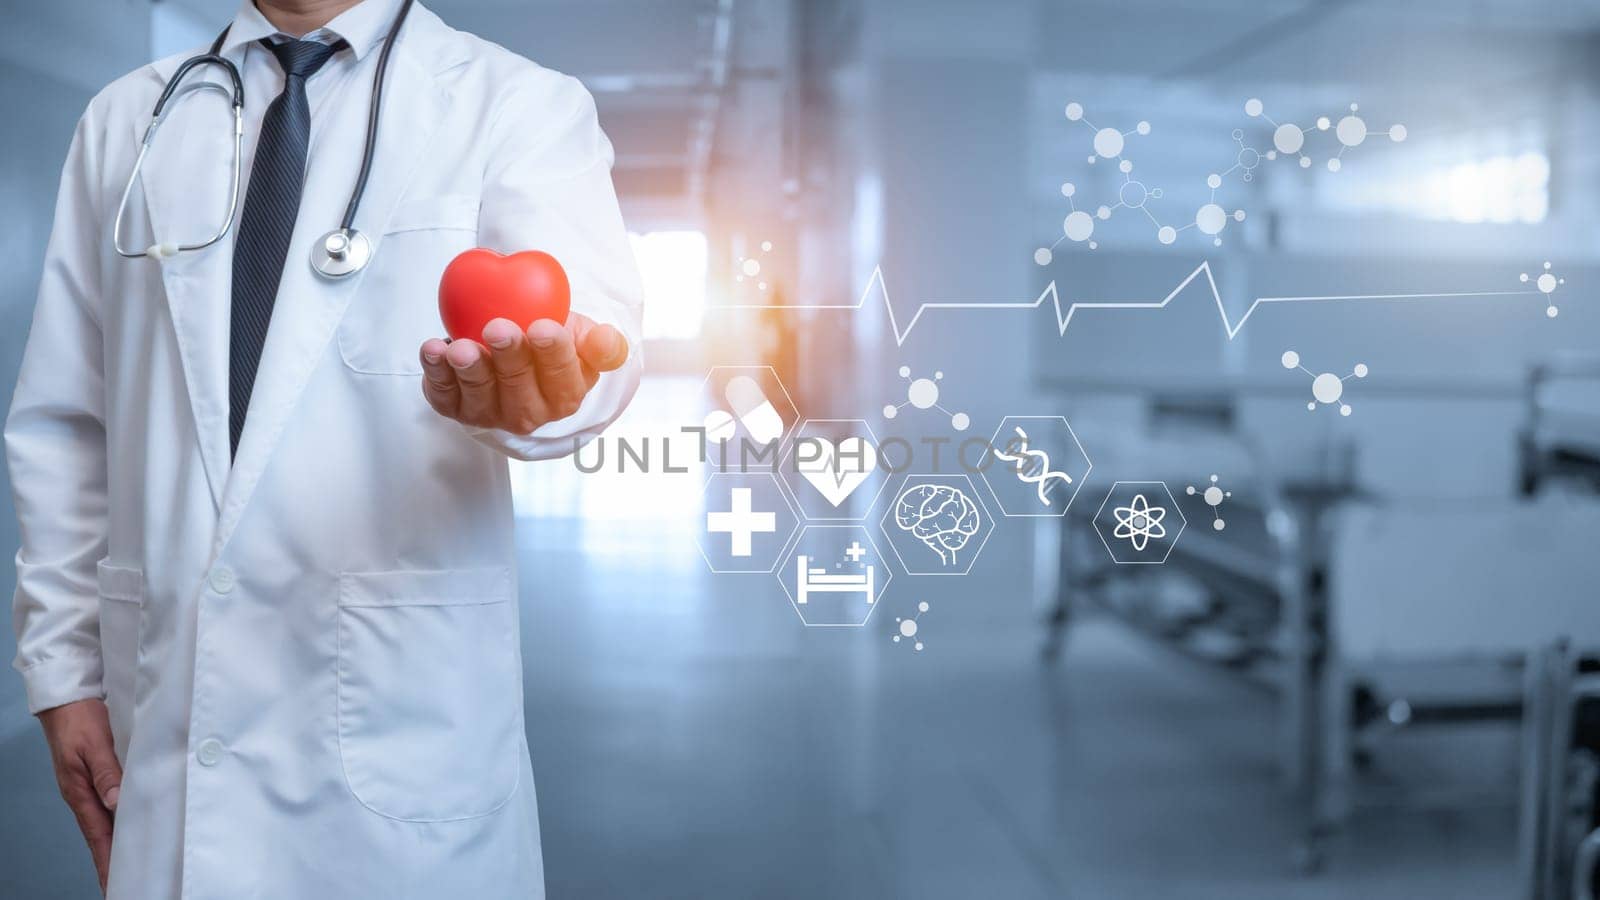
[603, 347]
[105, 773]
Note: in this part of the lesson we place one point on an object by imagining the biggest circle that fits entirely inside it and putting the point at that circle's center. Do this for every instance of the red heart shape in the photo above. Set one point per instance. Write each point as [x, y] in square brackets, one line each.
[480, 285]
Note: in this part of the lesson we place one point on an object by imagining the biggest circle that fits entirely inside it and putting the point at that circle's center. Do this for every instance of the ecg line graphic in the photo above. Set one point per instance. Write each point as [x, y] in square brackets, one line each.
[1064, 317]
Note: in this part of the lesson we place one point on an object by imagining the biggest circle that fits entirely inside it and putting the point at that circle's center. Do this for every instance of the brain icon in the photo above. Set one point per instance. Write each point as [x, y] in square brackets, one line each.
[940, 516]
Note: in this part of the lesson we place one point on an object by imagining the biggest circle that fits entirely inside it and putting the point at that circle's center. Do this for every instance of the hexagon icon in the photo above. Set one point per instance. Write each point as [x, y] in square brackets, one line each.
[1139, 522]
[937, 524]
[746, 524]
[1035, 465]
[834, 575]
[832, 469]
[750, 414]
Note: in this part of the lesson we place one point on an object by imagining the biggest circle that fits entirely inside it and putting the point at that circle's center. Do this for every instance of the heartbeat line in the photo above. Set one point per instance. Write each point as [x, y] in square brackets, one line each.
[1064, 317]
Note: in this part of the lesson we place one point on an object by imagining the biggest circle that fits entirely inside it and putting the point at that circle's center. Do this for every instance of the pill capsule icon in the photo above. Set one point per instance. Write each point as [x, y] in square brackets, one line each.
[754, 411]
[720, 426]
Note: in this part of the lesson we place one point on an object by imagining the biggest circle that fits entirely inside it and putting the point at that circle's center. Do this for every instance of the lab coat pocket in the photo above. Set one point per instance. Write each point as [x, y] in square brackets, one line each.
[430, 692]
[121, 607]
[397, 304]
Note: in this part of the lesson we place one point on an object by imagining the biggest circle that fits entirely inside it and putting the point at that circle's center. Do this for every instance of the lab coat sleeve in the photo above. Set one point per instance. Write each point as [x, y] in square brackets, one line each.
[548, 187]
[55, 441]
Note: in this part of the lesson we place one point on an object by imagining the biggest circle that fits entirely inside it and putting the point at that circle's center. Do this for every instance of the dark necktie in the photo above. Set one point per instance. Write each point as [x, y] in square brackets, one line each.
[267, 222]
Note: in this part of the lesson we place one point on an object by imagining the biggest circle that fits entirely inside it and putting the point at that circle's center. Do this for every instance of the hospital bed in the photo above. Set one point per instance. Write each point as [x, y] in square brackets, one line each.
[1559, 833]
[1363, 618]
[1560, 441]
[810, 581]
[1559, 825]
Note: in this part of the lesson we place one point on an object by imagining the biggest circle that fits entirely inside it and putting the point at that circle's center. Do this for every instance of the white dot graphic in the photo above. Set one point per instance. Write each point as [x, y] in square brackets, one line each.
[1078, 225]
[1210, 219]
[1288, 138]
[1108, 143]
[1351, 131]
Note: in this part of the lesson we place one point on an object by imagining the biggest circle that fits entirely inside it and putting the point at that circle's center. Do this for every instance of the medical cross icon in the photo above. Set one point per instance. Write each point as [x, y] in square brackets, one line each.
[740, 522]
[855, 551]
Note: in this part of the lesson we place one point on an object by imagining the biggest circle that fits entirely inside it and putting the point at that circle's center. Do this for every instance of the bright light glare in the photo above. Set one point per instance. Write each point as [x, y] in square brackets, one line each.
[1503, 188]
[673, 266]
[1497, 189]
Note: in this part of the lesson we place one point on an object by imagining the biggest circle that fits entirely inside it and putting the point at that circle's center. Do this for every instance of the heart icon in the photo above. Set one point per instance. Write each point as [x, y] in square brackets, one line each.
[480, 285]
[836, 468]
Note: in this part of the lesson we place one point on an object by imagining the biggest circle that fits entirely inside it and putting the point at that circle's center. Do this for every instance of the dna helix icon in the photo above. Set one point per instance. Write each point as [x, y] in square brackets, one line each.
[1033, 466]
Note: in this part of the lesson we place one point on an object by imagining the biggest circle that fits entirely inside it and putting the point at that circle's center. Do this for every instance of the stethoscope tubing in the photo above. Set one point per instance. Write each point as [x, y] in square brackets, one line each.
[175, 88]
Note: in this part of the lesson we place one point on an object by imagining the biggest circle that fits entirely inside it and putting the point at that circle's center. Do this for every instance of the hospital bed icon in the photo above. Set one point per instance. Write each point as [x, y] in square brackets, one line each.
[816, 581]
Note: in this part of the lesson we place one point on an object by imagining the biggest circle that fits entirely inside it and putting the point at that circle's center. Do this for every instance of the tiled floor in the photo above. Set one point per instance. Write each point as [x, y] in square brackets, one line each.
[691, 739]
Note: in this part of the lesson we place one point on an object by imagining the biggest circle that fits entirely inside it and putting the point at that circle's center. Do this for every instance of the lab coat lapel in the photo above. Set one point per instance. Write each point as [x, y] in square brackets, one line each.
[309, 307]
[185, 181]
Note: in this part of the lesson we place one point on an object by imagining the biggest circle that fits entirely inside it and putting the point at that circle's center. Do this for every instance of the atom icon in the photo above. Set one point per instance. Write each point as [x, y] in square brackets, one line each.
[923, 393]
[1213, 496]
[907, 628]
[1546, 282]
[1139, 523]
[1327, 387]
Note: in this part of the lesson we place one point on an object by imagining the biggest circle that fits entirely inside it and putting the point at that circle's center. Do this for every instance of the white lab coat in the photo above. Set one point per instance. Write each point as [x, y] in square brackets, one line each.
[311, 656]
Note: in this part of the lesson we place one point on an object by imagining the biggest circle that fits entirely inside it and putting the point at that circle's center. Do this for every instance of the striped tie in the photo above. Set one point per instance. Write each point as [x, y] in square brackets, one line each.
[267, 222]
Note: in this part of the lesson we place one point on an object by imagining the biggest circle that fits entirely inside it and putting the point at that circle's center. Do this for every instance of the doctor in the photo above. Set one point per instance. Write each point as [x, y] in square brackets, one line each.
[267, 602]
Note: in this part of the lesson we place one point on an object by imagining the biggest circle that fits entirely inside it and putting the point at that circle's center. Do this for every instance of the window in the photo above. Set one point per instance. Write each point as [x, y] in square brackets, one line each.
[1500, 188]
[1496, 189]
[673, 266]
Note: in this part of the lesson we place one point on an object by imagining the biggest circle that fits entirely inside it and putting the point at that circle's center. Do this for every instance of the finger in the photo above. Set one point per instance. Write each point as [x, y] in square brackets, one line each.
[94, 821]
[475, 375]
[602, 347]
[557, 367]
[105, 773]
[521, 407]
[439, 385]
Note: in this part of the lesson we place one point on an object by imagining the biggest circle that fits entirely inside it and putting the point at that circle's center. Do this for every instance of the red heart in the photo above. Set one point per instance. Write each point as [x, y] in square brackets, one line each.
[480, 285]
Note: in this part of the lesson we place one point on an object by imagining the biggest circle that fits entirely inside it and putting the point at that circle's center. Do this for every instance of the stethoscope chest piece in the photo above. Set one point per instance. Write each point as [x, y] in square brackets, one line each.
[341, 252]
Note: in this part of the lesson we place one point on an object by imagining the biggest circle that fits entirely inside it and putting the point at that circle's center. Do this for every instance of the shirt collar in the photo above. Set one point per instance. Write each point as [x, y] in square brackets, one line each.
[362, 26]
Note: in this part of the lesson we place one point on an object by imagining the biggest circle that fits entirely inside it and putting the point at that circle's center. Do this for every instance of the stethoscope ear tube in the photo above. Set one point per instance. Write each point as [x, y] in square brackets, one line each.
[160, 250]
[203, 59]
[341, 252]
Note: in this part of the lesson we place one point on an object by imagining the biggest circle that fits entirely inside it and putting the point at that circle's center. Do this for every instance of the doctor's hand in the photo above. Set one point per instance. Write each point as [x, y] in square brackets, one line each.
[517, 381]
[87, 772]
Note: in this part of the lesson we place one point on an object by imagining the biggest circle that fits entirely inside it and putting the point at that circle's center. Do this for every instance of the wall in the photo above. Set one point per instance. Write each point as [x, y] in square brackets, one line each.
[41, 97]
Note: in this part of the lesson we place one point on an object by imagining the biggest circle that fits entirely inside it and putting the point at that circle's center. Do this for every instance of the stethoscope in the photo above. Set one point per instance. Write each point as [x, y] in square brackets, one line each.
[342, 251]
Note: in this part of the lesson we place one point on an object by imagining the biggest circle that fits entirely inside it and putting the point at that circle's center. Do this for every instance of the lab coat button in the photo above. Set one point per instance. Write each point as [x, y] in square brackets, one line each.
[210, 752]
[222, 579]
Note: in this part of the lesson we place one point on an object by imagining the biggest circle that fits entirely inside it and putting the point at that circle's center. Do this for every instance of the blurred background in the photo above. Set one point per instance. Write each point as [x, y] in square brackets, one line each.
[1377, 681]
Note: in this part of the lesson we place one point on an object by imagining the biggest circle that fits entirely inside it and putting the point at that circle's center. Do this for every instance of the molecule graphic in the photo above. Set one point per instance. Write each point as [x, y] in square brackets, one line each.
[1290, 139]
[1079, 225]
[750, 267]
[1108, 142]
[1213, 496]
[1033, 466]
[923, 393]
[1139, 523]
[1246, 161]
[1547, 283]
[1326, 387]
[907, 628]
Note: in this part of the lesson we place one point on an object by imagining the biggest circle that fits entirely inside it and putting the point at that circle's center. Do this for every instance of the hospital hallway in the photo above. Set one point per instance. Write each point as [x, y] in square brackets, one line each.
[691, 739]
